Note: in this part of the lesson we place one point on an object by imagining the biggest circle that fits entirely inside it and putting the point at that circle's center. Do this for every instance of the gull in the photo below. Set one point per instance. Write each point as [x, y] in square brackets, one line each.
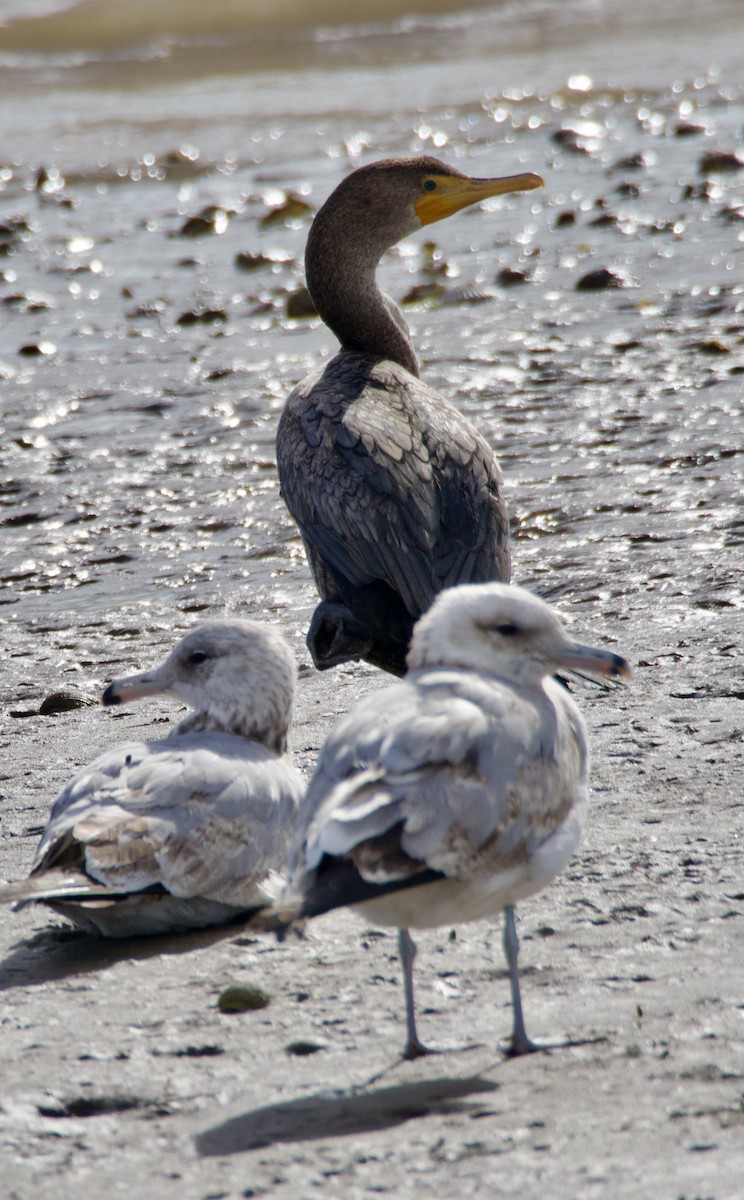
[164, 836]
[459, 790]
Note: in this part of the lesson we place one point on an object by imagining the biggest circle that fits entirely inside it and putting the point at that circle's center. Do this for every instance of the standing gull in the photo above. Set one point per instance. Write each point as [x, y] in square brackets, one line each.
[157, 837]
[396, 494]
[458, 791]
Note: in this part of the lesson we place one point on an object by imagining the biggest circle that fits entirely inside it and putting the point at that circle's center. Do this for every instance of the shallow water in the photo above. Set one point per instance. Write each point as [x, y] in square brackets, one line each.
[143, 370]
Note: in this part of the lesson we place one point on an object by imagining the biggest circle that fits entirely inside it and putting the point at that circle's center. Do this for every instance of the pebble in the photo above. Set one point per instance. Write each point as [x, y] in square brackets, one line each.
[201, 315]
[595, 281]
[59, 702]
[292, 208]
[715, 161]
[509, 276]
[301, 1048]
[420, 293]
[38, 349]
[245, 261]
[300, 304]
[242, 997]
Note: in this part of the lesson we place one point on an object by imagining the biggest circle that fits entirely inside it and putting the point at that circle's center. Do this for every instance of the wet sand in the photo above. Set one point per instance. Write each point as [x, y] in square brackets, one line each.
[143, 369]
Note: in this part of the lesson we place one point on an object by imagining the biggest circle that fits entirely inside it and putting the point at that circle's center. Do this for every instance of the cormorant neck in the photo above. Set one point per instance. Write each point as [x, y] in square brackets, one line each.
[340, 268]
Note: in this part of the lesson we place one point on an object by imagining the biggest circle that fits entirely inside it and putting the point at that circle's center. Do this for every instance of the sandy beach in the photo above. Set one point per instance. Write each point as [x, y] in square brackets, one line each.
[151, 240]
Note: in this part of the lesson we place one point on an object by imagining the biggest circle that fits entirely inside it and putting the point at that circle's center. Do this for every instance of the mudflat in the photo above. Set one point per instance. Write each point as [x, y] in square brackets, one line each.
[596, 335]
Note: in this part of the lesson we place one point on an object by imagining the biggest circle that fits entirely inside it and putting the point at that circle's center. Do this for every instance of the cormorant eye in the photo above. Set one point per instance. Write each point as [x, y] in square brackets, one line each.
[507, 630]
[197, 658]
[429, 185]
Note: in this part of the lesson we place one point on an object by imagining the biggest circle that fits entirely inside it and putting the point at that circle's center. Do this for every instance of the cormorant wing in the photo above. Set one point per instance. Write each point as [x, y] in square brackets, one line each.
[387, 481]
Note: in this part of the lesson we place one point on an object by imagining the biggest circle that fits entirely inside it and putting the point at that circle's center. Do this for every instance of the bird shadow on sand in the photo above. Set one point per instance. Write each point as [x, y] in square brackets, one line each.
[339, 1114]
[58, 953]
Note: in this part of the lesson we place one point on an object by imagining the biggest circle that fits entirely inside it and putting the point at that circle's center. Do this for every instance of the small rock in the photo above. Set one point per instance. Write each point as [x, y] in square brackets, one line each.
[26, 304]
[733, 214]
[423, 292]
[687, 129]
[196, 227]
[209, 1050]
[291, 208]
[595, 281]
[48, 180]
[632, 162]
[89, 1106]
[28, 516]
[570, 140]
[300, 304]
[508, 277]
[302, 1049]
[38, 349]
[201, 315]
[699, 191]
[564, 220]
[210, 220]
[242, 997]
[58, 702]
[716, 161]
[245, 261]
[13, 227]
[152, 309]
[180, 163]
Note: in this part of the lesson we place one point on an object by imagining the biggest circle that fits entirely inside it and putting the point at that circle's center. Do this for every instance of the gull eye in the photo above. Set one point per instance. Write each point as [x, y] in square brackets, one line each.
[197, 658]
[429, 185]
[507, 630]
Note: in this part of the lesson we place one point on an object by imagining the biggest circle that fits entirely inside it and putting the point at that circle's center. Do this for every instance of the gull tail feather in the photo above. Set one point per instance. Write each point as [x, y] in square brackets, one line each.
[335, 884]
[56, 884]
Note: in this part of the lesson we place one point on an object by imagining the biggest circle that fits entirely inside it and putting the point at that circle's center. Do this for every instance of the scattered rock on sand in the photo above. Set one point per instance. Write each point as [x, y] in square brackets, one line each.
[64, 701]
[595, 281]
[713, 162]
[242, 997]
[300, 304]
[290, 209]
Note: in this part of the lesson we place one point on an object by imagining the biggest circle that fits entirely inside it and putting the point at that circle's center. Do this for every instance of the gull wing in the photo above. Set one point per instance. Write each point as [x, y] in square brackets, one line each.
[203, 814]
[442, 773]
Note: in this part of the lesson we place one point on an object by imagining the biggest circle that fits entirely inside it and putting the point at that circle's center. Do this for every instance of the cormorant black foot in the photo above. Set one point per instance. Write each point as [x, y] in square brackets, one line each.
[335, 637]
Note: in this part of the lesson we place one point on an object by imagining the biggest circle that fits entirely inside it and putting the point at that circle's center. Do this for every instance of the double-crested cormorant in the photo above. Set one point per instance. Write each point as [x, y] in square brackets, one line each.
[396, 494]
[158, 837]
[457, 791]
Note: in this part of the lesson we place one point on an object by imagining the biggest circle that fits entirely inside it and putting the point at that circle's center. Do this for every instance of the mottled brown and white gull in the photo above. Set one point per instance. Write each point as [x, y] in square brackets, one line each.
[458, 791]
[164, 836]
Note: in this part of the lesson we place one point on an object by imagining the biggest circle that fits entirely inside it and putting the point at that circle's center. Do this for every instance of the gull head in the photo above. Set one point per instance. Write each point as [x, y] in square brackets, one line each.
[238, 677]
[498, 629]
